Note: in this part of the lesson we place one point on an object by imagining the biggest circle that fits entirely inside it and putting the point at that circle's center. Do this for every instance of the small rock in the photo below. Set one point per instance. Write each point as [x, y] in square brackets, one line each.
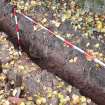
[16, 77]
[16, 92]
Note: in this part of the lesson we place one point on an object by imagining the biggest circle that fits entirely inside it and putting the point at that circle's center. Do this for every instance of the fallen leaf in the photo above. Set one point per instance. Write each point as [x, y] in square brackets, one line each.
[99, 25]
[75, 99]
[97, 45]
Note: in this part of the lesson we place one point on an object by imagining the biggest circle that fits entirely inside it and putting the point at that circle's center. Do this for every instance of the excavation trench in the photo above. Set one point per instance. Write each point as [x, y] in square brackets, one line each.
[50, 53]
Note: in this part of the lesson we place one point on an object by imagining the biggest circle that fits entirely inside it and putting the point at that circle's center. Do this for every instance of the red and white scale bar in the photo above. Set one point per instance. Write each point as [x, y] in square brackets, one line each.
[17, 30]
[70, 44]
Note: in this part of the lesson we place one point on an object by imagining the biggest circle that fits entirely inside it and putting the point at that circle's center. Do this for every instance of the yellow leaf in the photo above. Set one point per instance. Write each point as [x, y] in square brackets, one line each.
[26, 8]
[57, 24]
[71, 61]
[29, 98]
[44, 20]
[21, 67]
[97, 65]
[60, 96]
[22, 103]
[75, 59]
[103, 29]
[87, 44]
[83, 99]
[2, 77]
[38, 101]
[33, 3]
[97, 45]
[69, 88]
[43, 100]
[75, 99]
[66, 15]
[55, 92]
[60, 84]
[88, 101]
[99, 25]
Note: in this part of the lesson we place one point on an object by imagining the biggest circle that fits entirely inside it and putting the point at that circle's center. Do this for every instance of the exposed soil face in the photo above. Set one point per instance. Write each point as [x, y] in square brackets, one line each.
[20, 77]
[51, 54]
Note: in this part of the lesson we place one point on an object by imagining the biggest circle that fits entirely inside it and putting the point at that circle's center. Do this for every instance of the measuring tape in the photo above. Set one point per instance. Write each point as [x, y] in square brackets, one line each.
[69, 43]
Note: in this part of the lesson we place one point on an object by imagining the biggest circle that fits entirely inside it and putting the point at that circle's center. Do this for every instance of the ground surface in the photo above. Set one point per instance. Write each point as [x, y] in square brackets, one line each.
[23, 82]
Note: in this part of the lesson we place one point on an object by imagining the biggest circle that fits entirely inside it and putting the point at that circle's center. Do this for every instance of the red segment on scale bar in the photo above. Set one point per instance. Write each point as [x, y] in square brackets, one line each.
[17, 28]
[89, 56]
[68, 43]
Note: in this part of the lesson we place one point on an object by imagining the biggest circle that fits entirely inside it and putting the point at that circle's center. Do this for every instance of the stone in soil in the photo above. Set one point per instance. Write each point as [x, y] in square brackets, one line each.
[4, 53]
